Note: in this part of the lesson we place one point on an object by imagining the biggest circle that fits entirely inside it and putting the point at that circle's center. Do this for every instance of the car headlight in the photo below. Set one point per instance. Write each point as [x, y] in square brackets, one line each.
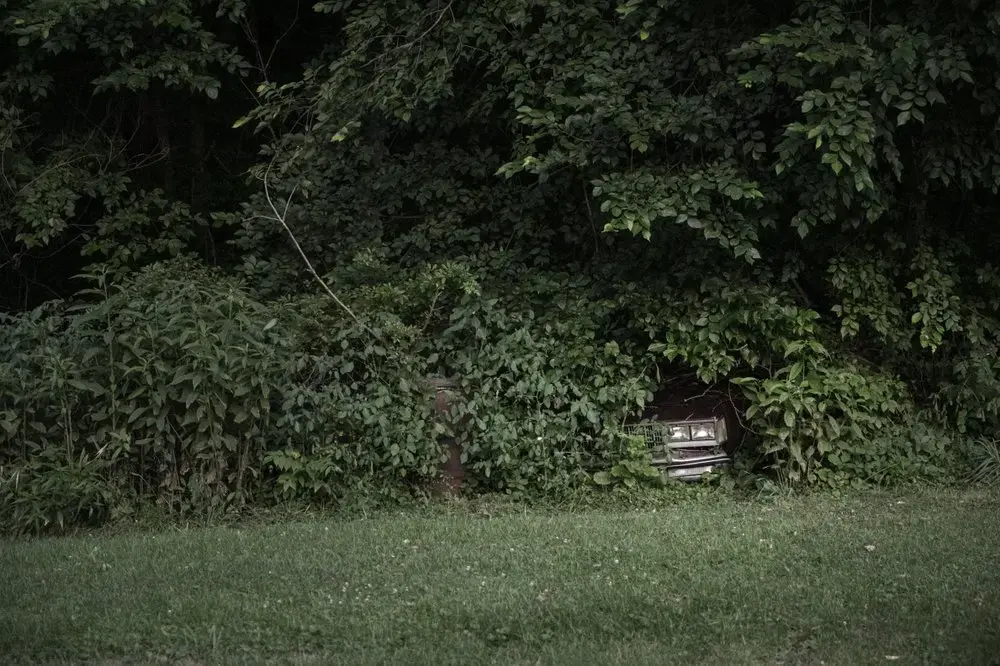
[680, 433]
[703, 431]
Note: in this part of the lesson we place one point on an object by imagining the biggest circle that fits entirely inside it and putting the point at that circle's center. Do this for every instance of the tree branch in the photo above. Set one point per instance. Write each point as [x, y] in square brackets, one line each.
[282, 219]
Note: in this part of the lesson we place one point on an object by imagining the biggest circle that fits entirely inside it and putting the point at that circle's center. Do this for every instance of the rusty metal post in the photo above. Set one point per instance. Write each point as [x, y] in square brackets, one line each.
[452, 471]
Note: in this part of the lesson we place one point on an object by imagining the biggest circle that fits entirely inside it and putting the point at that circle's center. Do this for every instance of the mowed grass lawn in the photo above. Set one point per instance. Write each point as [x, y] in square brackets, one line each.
[870, 579]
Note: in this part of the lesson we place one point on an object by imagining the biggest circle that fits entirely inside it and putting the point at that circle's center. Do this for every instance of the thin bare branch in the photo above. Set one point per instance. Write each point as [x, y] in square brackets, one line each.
[282, 219]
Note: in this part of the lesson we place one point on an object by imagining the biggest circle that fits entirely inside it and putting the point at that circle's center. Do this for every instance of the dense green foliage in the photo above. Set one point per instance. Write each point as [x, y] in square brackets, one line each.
[561, 204]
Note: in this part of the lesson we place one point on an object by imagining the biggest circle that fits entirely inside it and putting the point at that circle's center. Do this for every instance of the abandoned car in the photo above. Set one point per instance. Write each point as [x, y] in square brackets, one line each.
[689, 437]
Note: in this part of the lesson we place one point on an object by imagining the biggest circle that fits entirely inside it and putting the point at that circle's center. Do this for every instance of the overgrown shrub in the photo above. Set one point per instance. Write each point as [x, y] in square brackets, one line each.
[51, 491]
[985, 456]
[176, 386]
[355, 411]
[836, 423]
[541, 393]
[164, 382]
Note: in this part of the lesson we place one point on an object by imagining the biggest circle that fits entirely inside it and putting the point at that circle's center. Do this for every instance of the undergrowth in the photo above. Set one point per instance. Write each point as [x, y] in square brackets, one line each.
[177, 388]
